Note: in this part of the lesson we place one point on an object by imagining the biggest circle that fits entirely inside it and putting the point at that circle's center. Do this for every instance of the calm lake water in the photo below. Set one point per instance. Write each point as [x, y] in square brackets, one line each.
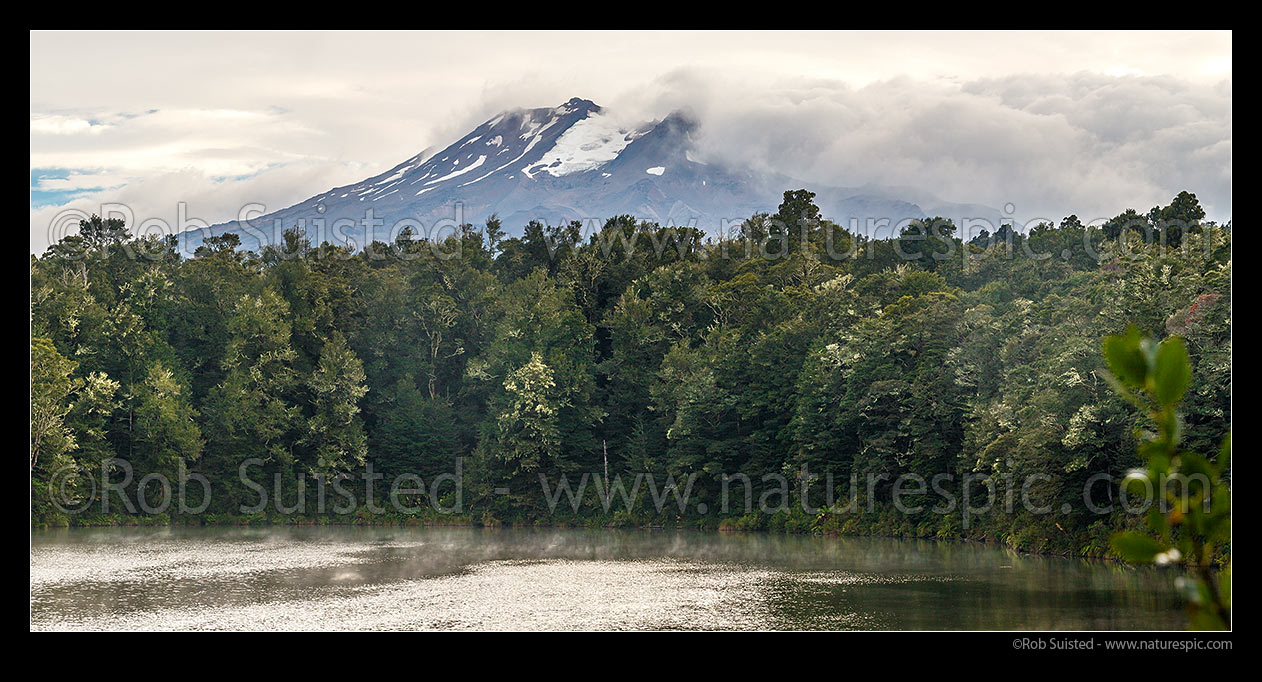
[350, 578]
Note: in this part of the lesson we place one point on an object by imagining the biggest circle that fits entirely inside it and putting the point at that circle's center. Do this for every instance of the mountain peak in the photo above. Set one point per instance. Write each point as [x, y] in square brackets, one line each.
[577, 105]
[571, 106]
[556, 164]
[580, 102]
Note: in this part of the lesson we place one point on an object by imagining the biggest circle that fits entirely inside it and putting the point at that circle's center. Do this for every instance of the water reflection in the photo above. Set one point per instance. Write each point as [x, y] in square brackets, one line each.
[417, 578]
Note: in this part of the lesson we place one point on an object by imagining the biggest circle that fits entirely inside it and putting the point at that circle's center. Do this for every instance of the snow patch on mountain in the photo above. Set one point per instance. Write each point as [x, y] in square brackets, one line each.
[459, 171]
[587, 144]
[533, 141]
[535, 128]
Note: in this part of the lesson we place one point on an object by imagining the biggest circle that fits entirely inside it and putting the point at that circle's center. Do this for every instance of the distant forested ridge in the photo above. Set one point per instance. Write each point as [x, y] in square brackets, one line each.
[795, 345]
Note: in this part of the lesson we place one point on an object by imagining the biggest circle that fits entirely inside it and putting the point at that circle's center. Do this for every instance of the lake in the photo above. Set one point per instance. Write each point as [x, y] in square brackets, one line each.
[367, 578]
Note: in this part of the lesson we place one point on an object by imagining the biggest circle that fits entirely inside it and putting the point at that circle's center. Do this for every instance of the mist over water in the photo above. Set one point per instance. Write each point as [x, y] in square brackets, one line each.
[350, 578]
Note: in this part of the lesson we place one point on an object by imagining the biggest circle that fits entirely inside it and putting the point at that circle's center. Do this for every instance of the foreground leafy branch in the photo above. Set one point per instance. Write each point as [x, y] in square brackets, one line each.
[1190, 514]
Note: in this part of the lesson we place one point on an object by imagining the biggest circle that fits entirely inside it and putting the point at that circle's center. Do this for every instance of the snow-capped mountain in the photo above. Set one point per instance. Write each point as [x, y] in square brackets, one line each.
[554, 165]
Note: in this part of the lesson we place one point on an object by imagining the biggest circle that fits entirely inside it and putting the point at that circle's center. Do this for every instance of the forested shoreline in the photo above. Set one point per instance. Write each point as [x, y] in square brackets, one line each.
[795, 346]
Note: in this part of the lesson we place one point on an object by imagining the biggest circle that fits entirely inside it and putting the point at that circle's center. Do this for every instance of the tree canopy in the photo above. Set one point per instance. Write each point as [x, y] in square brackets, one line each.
[821, 351]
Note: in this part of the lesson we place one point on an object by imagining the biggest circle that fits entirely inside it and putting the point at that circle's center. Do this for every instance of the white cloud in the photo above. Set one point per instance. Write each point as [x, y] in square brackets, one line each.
[55, 124]
[1049, 144]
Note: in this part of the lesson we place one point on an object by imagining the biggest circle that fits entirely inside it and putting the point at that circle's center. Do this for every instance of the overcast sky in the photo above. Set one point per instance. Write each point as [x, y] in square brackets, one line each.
[1050, 123]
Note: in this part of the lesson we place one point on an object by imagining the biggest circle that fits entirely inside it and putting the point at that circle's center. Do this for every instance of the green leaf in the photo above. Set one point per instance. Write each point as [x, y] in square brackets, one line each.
[1204, 619]
[1135, 547]
[1224, 453]
[1171, 372]
[1126, 360]
[1156, 520]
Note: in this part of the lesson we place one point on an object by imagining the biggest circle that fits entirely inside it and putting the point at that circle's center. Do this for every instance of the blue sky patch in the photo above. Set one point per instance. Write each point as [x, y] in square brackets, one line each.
[42, 195]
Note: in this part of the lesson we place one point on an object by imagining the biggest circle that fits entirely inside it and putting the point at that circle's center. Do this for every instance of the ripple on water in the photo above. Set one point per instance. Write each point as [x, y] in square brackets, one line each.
[427, 579]
[185, 560]
[508, 595]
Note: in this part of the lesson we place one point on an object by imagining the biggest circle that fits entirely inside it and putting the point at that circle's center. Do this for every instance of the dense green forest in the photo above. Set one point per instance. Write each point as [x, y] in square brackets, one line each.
[793, 346]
